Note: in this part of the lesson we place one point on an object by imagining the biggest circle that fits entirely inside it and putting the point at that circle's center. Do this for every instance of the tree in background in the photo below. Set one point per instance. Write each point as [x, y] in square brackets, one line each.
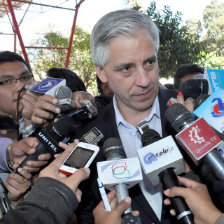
[210, 34]
[213, 20]
[196, 42]
[177, 45]
[80, 58]
[213, 36]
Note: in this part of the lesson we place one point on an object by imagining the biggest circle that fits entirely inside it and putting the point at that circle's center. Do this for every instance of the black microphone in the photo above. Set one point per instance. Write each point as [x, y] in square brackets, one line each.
[113, 150]
[199, 100]
[196, 137]
[5, 204]
[50, 136]
[194, 87]
[167, 172]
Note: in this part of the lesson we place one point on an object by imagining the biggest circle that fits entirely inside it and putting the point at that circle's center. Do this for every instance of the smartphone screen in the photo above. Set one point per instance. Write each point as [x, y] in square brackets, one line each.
[79, 157]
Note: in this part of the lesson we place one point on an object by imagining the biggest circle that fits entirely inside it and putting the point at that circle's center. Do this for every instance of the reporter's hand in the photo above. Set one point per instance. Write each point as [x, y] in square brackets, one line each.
[102, 216]
[72, 181]
[188, 103]
[78, 96]
[45, 109]
[3, 132]
[17, 185]
[28, 101]
[197, 198]
[27, 146]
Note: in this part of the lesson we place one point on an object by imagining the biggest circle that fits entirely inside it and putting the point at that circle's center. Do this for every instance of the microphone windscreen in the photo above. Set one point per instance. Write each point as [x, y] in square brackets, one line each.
[177, 115]
[113, 147]
[65, 125]
[63, 92]
[194, 87]
[149, 136]
[199, 100]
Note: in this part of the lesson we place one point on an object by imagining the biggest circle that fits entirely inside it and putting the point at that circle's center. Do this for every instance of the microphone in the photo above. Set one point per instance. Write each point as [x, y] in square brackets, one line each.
[48, 86]
[199, 100]
[162, 161]
[64, 96]
[55, 87]
[197, 138]
[194, 87]
[5, 204]
[50, 136]
[113, 150]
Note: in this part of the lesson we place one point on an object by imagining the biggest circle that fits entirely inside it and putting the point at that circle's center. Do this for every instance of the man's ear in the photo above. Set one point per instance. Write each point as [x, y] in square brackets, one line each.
[101, 73]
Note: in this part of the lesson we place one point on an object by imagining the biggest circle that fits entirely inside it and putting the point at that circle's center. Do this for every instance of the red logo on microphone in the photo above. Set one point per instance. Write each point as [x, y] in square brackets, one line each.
[198, 139]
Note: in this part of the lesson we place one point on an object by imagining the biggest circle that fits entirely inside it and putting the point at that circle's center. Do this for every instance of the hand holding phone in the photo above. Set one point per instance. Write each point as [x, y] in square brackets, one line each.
[80, 157]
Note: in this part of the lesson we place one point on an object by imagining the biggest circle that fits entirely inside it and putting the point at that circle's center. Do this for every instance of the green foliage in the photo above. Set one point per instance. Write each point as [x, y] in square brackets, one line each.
[80, 58]
[213, 61]
[177, 45]
[213, 19]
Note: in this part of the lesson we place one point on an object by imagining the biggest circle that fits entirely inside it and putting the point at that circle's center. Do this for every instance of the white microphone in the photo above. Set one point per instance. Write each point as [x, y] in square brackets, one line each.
[162, 161]
[196, 137]
[159, 155]
[55, 87]
[118, 171]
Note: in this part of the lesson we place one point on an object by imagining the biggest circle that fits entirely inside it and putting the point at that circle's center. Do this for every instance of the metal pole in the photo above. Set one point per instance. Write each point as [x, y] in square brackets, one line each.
[72, 33]
[17, 30]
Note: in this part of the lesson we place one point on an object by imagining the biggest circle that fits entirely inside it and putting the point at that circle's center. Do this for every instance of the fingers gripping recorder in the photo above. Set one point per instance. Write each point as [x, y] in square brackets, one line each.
[87, 109]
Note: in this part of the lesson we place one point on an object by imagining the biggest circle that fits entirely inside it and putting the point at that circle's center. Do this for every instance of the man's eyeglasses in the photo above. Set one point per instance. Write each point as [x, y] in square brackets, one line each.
[24, 79]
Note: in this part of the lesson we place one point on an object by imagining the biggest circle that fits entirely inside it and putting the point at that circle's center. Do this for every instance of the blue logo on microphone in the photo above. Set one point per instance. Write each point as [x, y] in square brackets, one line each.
[217, 107]
[45, 85]
[149, 158]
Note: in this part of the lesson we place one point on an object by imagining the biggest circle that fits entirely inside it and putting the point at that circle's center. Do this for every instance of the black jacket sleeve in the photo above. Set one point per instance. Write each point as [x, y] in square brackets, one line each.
[49, 201]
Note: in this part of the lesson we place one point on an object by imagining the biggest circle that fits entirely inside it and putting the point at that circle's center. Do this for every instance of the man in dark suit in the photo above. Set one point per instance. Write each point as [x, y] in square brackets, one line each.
[124, 46]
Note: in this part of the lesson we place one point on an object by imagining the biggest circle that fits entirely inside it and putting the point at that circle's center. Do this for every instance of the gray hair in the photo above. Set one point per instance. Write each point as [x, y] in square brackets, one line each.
[114, 24]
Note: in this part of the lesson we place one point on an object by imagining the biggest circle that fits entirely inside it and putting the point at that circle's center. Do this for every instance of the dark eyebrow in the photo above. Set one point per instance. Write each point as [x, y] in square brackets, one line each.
[121, 66]
[25, 73]
[153, 58]
[5, 76]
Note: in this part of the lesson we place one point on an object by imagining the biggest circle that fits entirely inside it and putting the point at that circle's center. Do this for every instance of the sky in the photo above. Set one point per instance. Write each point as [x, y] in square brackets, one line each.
[41, 19]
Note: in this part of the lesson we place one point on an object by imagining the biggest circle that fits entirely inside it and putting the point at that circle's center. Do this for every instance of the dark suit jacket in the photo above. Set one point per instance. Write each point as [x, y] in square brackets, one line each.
[105, 122]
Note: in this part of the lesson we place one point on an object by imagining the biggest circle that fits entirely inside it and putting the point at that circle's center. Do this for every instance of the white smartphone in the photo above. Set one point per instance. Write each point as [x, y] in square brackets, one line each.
[80, 157]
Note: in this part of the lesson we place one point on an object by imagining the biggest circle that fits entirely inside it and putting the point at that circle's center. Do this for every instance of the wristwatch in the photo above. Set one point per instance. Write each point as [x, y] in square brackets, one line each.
[9, 156]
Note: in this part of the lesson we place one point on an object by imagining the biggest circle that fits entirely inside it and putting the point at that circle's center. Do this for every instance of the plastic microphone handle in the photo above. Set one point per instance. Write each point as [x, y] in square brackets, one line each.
[169, 180]
[40, 149]
[122, 192]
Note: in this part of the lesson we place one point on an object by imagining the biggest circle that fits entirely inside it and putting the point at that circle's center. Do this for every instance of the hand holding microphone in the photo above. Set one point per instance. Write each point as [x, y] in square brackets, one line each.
[115, 172]
[101, 216]
[197, 198]
[161, 161]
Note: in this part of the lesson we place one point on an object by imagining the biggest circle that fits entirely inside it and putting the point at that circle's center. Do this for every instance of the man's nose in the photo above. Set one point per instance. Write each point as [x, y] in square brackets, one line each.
[18, 84]
[142, 77]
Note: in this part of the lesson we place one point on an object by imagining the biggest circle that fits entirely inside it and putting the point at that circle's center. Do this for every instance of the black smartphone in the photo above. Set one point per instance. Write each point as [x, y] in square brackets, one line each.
[7, 123]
